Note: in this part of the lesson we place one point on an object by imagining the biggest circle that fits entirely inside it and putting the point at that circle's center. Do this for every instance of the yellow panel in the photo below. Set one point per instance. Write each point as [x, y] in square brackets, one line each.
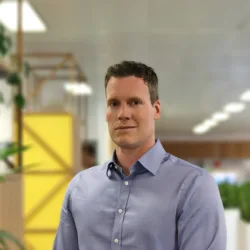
[36, 187]
[41, 241]
[56, 130]
[40, 156]
[49, 215]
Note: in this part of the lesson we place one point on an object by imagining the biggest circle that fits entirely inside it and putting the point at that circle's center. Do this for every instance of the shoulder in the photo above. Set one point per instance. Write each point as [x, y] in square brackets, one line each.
[86, 175]
[185, 166]
[187, 173]
[197, 187]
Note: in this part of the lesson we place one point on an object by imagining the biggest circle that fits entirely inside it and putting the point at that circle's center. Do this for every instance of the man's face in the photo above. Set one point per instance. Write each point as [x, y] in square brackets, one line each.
[130, 114]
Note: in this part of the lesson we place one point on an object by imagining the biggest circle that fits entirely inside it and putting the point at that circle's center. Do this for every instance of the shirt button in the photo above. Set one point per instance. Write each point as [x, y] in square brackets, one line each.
[120, 211]
[116, 240]
[126, 183]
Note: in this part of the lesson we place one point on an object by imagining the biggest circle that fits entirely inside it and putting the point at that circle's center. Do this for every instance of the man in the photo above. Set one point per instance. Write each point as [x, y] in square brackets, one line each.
[143, 198]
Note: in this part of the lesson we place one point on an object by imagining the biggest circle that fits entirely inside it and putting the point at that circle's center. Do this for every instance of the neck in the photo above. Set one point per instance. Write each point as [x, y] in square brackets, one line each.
[126, 157]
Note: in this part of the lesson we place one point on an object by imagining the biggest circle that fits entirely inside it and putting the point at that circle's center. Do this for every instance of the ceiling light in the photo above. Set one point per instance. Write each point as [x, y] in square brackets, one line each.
[245, 96]
[220, 116]
[234, 107]
[78, 88]
[210, 123]
[31, 22]
[200, 129]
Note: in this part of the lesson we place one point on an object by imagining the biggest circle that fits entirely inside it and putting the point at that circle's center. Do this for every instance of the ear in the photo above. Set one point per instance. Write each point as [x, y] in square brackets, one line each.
[157, 107]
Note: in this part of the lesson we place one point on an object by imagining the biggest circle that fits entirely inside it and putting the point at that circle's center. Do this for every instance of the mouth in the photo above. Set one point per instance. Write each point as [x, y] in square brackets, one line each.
[125, 128]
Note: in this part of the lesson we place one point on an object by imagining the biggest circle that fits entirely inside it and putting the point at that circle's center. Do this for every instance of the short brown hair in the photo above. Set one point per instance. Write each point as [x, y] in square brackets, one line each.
[137, 69]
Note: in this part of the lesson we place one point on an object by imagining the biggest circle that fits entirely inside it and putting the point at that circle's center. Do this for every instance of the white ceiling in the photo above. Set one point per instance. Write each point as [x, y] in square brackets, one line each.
[199, 49]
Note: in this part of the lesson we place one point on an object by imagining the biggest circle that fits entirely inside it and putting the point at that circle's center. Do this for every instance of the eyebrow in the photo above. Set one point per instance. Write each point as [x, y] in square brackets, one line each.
[112, 100]
[130, 99]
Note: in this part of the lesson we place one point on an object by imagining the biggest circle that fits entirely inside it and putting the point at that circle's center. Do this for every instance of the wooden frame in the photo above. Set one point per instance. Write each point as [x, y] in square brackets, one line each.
[67, 62]
[208, 149]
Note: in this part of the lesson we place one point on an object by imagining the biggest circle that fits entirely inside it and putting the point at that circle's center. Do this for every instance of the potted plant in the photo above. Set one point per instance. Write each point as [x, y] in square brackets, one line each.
[230, 195]
[244, 195]
[6, 238]
[13, 78]
[230, 198]
[5, 42]
[6, 151]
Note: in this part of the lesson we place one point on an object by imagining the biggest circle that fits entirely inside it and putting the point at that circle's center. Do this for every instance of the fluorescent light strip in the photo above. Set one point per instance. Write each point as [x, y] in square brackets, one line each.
[220, 116]
[210, 123]
[204, 127]
[31, 21]
[200, 129]
[245, 97]
[78, 88]
[234, 107]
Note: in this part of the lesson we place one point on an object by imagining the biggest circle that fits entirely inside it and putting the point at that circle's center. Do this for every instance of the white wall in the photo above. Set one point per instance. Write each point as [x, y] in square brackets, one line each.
[6, 112]
[97, 125]
[6, 119]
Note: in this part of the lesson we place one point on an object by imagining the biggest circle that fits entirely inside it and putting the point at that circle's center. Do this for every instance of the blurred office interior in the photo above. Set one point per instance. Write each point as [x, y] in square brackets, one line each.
[53, 59]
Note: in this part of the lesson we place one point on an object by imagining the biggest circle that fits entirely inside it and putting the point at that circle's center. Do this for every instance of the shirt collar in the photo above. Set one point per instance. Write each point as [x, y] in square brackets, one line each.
[151, 160]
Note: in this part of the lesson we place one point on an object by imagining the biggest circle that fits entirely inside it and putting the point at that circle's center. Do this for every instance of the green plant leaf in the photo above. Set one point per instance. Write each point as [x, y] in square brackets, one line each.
[26, 69]
[5, 42]
[4, 235]
[19, 100]
[30, 166]
[245, 201]
[25, 168]
[229, 195]
[14, 79]
[2, 29]
[4, 244]
[1, 37]
[3, 49]
[8, 42]
[2, 178]
[1, 98]
[11, 150]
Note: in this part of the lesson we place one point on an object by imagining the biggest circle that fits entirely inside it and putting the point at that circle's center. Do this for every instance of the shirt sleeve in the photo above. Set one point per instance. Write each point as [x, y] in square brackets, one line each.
[201, 224]
[66, 235]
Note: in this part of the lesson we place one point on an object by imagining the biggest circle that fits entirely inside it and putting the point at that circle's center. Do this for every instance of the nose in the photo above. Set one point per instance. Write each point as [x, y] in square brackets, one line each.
[124, 112]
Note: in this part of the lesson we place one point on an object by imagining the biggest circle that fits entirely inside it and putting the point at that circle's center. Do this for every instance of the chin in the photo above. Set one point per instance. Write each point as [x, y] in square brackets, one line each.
[126, 142]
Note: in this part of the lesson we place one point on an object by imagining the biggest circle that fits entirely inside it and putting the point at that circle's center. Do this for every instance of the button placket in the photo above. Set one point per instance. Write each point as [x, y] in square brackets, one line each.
[120, 213]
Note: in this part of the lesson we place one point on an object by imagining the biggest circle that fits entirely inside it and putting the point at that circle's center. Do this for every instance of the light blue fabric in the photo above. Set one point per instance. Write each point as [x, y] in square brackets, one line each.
[165, 204]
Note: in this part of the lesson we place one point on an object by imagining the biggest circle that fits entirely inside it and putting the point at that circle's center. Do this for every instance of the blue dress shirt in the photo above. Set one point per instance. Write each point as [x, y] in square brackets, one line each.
[164, 204]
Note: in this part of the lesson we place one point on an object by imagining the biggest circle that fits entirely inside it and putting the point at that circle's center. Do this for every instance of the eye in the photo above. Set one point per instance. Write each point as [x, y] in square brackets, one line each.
[113, 104]
[136, 102]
